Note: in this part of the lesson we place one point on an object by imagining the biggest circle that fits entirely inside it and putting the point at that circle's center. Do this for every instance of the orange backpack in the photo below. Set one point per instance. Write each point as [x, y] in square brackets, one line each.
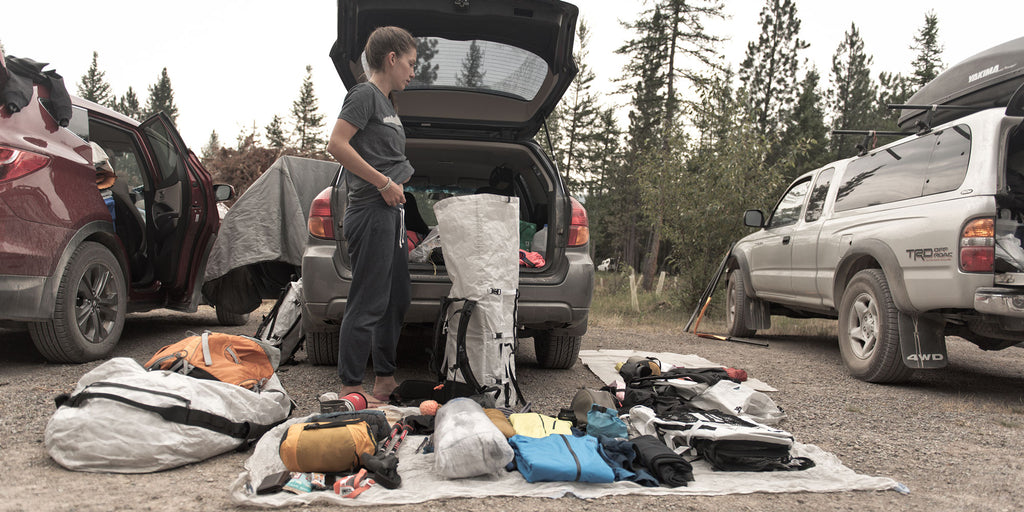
[217, 356]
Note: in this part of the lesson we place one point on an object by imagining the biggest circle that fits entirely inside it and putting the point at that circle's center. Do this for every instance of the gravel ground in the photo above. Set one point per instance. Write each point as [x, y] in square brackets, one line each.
[952, 436]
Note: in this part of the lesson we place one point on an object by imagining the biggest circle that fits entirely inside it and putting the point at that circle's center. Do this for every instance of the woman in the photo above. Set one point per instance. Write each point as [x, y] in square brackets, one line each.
[369, 141]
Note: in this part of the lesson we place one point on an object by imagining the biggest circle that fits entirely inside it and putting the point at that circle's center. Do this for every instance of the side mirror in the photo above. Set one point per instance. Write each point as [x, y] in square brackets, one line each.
[223, 192]
[753, 218]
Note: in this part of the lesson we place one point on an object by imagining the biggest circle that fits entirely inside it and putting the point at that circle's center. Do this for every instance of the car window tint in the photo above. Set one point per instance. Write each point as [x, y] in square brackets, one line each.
[950, 155]
[816, 203]
[885, 176]
[167, 157]
[788, 210]
[480, 66]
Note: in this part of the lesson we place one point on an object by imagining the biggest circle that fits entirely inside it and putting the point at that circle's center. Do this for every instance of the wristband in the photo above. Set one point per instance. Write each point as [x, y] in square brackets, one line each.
[385, 187]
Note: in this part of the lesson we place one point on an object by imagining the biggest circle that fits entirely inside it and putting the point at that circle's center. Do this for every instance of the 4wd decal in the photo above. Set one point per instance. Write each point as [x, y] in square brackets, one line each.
[931, 254]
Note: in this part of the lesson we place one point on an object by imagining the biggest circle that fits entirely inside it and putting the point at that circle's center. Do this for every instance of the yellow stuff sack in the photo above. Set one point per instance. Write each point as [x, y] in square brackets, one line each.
[326, 446]
[531, 424]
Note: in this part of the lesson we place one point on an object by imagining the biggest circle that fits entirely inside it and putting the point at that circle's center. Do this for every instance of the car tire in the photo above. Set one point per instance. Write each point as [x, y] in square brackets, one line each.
[322, 348]
[92, 288]
[869, 337]
[736, 306]
[556, 352]
[232, 319]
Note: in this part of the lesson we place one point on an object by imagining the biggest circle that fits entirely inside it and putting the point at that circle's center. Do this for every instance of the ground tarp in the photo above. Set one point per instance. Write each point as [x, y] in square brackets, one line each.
[420, 482]
[262, 237]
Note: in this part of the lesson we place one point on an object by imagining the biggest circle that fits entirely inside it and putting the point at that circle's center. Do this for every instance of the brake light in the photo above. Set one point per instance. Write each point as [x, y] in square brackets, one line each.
[579, 228]
[15, 163]
[977, 246]
[321, 221]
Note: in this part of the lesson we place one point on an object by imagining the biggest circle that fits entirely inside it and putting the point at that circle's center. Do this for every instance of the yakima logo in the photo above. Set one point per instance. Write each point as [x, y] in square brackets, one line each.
[982, 74]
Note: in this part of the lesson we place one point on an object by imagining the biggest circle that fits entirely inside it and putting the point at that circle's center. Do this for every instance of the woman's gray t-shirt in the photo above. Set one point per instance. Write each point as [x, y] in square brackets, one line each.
[380, 140]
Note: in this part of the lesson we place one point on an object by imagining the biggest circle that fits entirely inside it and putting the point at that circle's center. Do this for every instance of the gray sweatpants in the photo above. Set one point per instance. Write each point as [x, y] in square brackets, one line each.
[379, 295]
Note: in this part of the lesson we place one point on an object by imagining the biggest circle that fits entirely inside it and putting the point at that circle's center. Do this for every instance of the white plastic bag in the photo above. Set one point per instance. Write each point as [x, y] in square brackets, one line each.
[421, 253]
[467, 443]
[740, 400]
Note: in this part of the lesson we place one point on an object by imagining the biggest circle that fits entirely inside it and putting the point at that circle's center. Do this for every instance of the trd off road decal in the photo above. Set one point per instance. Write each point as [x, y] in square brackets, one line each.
[931, 254]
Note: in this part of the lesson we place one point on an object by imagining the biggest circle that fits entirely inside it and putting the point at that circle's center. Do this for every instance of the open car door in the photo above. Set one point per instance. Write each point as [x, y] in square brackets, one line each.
[182, 216]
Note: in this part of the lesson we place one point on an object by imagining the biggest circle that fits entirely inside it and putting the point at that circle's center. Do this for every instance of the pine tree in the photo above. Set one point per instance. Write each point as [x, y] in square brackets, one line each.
[928, 62]
[769, 71]
[128, 104]
[471, 76]
[93, 86]
[852, 102]
[425, 72]
[893, 89]
[161, 98]
[275, 133]
[806, 133]
[577, 114]
[307, 117]
[211, 147]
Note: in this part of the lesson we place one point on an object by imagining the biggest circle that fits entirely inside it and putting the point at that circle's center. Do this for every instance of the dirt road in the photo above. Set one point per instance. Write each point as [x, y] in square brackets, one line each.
[954, 437]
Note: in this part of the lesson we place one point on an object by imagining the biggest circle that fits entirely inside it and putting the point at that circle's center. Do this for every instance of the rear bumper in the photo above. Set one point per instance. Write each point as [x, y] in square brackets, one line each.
[559, 302]
[999, 302]
[25, 298]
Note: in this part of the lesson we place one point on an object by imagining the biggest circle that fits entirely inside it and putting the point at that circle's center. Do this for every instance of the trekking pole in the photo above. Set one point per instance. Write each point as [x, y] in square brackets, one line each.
[710, 288]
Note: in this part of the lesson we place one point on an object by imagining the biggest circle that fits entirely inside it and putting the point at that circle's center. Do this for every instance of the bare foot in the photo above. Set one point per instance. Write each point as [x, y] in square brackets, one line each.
[383, 386]
[351, 389]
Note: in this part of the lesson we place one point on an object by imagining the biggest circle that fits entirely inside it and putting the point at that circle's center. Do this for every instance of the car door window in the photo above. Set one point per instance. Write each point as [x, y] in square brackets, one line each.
[816, 203]
[788, 210]
[167, 157]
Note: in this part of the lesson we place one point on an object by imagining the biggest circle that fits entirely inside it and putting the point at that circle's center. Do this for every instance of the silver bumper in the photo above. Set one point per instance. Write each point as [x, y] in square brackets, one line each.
[1000, 302]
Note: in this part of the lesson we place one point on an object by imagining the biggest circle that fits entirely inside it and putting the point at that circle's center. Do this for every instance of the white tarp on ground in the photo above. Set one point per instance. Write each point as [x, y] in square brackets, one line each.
[420, 481]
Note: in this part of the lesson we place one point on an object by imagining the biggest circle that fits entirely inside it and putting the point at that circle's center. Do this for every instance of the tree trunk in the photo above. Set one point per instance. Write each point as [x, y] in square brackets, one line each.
[650, 266]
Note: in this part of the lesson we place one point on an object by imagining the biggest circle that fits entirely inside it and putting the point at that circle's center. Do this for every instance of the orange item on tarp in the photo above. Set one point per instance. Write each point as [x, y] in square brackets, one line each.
[218, 356]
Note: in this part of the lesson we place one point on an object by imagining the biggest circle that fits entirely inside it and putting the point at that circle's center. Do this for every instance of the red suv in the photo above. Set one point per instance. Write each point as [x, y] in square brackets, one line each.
[80, 245]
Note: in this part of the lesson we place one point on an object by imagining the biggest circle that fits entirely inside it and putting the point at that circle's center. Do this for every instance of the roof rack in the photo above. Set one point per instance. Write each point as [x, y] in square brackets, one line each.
[870, 136]
[925, 126]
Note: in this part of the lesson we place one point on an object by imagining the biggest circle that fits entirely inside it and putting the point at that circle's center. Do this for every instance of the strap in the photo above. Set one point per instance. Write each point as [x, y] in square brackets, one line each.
[183, 415]
[462, 356]
[206, 349]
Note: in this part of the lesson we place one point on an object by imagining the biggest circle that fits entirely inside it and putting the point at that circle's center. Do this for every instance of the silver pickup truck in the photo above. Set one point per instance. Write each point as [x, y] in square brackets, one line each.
[907, 243]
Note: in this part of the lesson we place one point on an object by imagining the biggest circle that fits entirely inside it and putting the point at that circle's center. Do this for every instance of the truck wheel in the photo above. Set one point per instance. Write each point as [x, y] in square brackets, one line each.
[322, 348]
[869, 337]
[556, 352]
[92, 301]
[228, 318]
[736, 306]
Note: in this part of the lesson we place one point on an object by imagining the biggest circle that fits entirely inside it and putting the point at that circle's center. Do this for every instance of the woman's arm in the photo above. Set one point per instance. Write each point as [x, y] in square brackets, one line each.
[343, 152]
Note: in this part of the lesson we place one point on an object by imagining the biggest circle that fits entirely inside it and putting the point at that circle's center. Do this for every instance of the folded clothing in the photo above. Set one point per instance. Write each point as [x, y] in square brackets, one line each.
[560, 458]
[667, 466]
[532, 424]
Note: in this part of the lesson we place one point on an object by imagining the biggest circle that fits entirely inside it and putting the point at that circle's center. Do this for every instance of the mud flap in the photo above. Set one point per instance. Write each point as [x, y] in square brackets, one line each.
[922, 341]
[759, 316]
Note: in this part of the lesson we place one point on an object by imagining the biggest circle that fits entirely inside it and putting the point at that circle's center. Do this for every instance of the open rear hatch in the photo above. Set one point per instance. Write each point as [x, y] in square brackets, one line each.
[489, 67]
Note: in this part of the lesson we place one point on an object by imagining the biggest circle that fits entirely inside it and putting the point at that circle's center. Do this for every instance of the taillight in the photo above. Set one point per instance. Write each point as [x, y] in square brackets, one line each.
[15, 163]
[321, 222]
[978, 246]
[579, 230]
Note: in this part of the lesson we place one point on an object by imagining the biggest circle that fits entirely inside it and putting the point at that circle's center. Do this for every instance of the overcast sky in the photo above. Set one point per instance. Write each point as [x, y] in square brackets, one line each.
[233, 63]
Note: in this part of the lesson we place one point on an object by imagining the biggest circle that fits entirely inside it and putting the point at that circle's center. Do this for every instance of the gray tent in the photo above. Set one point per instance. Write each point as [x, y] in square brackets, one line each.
[262, 237]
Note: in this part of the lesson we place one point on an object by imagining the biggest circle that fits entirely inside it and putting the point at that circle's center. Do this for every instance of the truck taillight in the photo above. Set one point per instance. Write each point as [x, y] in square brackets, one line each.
[15, 163]
[579, 228]
[977, 246]
[321, 221]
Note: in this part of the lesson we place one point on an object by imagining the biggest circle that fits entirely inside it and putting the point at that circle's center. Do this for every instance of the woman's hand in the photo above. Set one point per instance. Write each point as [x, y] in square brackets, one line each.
[394, 194]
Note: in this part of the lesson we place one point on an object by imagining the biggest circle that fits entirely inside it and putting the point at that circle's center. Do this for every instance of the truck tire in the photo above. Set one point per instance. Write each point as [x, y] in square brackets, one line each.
[736, 306]
[556, 352]
[228, 318]
[322, 348]
[92, 301]
[869, 334]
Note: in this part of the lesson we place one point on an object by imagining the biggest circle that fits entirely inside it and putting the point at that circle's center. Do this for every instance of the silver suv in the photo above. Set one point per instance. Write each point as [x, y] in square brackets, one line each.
[907, 243]
[469, 130]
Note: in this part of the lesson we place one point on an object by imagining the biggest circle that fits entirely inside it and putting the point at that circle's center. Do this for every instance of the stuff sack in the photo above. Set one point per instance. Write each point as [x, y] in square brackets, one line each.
[560, 458]
[327, 446]
[476, 327]
[282, 327]
[466, 441]
[121, 418]
[225, 357]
